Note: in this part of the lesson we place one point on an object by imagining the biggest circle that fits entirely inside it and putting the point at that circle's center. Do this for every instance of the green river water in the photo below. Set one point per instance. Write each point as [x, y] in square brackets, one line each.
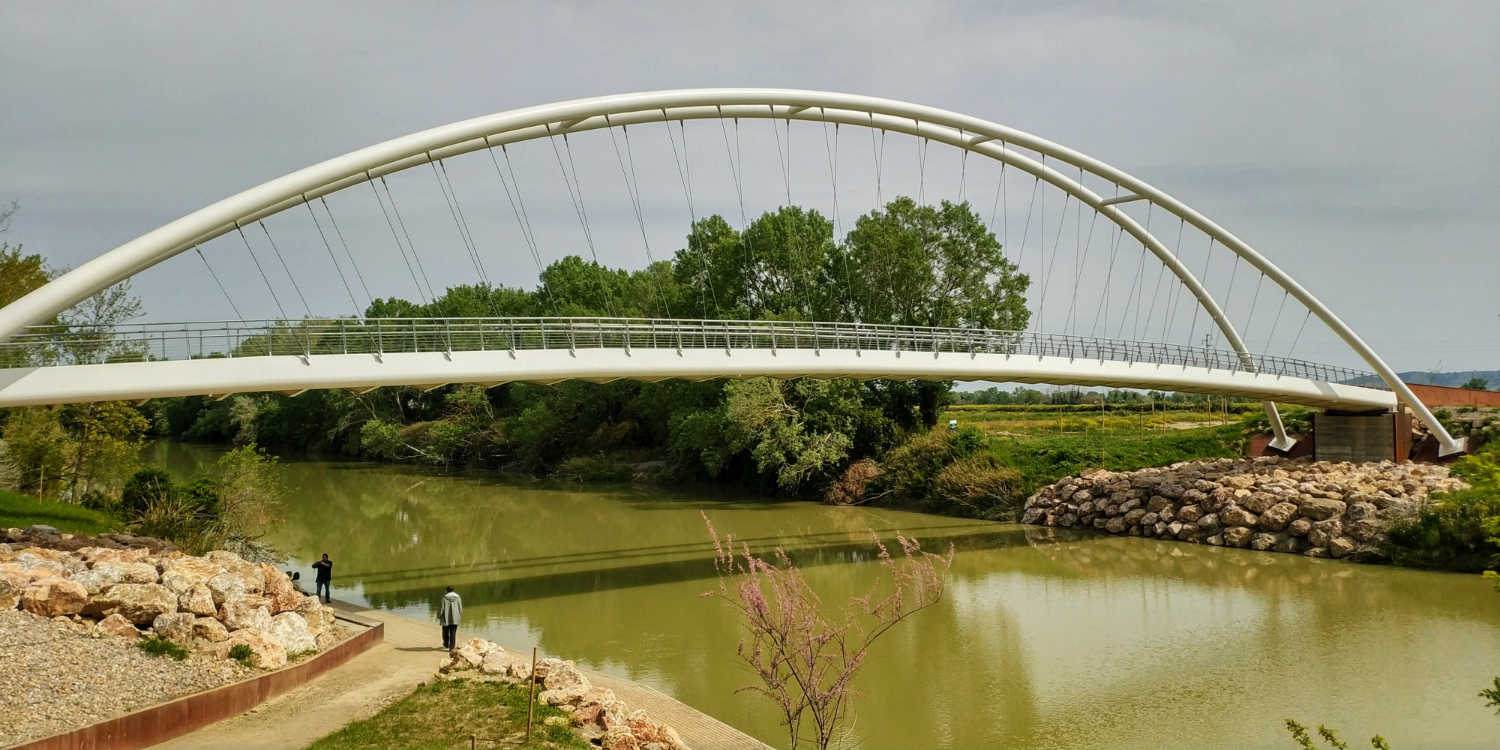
[1043, 640]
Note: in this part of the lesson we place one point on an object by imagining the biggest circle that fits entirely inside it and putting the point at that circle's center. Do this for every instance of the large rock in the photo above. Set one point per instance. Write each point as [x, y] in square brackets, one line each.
[318, 616]
[265, 653]
[227, 587]
[183, 573]
[564, 684]
[117, 625]
[1263, 541]
[104, 575]
[279, 590]
[207, 630]
[175, 626]
[1366, 529]
[1340, 546]
[1234, 515]
[110, 555]
[140, 603]
[10, 594]
[1322, 531]
[1276, 517]
[1299, 527]
[246, 613]
[1237, 536]
[198, 600]
[1189, 513]
[51, 597]
[248, 572]
[290, 631]
[1318, 508]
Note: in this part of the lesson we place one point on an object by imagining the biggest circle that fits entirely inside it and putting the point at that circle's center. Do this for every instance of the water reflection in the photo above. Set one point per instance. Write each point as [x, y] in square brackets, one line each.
[1046, 639]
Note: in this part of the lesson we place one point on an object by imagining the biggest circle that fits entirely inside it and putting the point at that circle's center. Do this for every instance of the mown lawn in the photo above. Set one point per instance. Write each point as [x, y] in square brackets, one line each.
[20, 511]
[445, 714]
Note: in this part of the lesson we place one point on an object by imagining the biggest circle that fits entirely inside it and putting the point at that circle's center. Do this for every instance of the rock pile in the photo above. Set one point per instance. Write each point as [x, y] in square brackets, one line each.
[1319, 509]
[206, 604]
[597, 714]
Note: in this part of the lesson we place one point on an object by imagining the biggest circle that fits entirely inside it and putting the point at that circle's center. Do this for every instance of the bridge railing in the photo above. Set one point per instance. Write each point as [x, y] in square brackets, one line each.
[52, 345]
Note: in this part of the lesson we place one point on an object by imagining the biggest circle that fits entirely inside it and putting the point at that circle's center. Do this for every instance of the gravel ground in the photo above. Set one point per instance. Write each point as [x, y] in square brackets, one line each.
[53, 679]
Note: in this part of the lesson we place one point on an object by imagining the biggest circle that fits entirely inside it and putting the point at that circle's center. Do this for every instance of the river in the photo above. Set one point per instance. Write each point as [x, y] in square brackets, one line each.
[1042, 640]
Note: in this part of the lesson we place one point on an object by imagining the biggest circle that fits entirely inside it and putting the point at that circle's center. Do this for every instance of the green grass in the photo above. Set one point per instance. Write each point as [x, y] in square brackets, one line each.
[1043, 459]
[162, 647]
[20, 511]
[444, 714]
[240, 653]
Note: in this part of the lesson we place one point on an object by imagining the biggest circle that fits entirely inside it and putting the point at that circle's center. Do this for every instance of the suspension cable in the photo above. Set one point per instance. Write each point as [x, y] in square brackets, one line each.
[1198, 309]
[347, 252]
[1169, 316]
[462, 237]
[784, 161]
[262, 271]
[1250, 317]
[295, 286]
[685, 176]
[220, 284]
[583, 214]
[1136, 290]
[1000, 197]
[833, 176]
[1274, 323]
[396, 238]
[729, 154]
[463, 220]
[1104, 299]
[390, 196]
[1229, 292]
[329, 247]
[921, 166]
[1298, 337]
[963, 166]
[1062, 219]
[1072, 319]
[879, 155]
[632, 189]
[1026, 230]
[523, 220]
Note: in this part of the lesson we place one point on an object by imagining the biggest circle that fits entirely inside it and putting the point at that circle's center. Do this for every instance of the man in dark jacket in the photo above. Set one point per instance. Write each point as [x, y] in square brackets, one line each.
[325, 576]
[450, 610]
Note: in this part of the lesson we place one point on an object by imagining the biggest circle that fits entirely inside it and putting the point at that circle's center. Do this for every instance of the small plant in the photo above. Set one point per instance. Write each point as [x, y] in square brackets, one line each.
[240, 653]
[1305, 741]
[162, 647]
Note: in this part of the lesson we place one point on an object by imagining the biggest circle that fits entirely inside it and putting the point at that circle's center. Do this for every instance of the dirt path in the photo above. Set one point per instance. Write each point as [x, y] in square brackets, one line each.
[409, 655]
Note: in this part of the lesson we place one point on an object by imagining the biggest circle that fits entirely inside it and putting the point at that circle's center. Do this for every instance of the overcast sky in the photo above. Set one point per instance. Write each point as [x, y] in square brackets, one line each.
[1354, 143]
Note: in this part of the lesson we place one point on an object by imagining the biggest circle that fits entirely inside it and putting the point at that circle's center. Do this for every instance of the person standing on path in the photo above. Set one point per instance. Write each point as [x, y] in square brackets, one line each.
[449, 612]
[325, 577]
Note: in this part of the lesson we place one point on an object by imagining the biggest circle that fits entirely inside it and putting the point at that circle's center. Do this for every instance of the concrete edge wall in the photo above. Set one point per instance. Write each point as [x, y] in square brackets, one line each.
[1441, 395]
[179, 716]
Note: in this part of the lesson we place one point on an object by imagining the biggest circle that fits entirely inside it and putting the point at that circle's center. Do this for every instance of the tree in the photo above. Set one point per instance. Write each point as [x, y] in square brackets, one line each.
[1476, 384]
[932, 266]
[106, 443]
[807, 657]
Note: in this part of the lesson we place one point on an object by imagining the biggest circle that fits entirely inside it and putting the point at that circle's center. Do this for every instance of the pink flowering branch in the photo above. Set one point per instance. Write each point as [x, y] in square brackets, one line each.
[804, 656]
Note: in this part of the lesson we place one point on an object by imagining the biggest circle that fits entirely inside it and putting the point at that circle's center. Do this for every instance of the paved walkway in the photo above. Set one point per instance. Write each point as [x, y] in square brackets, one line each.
[389, 671]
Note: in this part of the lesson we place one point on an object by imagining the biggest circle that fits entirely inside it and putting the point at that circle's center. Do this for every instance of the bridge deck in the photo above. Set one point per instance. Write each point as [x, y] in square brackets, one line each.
[223, 358]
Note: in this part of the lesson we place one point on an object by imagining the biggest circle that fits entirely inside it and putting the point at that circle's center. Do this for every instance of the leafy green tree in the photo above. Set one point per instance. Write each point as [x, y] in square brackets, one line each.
[36, 449]
[105, 444]
[932, 266]
[1476, 384]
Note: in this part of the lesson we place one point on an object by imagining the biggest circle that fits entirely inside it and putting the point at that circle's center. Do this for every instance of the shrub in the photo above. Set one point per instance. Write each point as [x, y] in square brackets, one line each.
[162, 647]
[1460, 530]
[980, 487]
[910, 469]
[143, 488]
[850, 488]
[240, 653]
[597, 468]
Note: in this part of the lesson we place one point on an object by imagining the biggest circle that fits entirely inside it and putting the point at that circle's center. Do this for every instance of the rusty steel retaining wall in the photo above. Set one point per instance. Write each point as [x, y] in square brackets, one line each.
[176, 717]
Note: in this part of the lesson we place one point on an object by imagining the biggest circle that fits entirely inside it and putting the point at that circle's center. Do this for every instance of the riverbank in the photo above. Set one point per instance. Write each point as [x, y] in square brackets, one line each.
[409, 655]
[1318, 509]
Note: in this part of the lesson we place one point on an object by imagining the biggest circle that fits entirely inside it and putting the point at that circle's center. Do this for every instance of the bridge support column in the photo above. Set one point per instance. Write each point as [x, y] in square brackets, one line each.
[1280, 440]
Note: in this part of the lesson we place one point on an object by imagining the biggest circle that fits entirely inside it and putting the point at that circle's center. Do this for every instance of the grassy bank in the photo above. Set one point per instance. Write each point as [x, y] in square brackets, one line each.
[20, 511]
[445, 715]
[1042, 458]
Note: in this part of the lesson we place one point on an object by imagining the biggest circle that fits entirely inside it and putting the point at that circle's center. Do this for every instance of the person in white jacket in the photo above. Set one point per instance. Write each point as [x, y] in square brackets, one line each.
[449, 612]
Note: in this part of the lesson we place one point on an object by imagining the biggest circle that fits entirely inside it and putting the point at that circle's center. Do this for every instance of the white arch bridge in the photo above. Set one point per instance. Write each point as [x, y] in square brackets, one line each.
[41, 365]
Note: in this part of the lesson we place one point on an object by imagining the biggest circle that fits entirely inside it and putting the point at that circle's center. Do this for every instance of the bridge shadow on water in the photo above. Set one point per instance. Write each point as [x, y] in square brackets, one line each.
[607, 570]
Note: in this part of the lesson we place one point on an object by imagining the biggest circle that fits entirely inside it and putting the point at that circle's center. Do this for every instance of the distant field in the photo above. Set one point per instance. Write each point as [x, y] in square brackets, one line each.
[1040, 421]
